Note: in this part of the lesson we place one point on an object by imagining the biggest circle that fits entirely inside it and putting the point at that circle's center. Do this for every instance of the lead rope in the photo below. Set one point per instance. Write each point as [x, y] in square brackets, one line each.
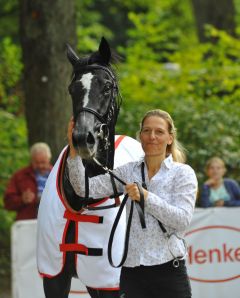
[127, 234]
[140, 209]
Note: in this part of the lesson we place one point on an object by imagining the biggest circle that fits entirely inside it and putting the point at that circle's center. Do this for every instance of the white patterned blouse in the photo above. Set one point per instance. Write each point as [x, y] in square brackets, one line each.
[171, 200]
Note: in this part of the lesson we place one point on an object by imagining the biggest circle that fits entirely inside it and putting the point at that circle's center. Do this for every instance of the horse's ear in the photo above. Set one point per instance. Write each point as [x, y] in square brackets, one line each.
[105, 51]
[72, 56]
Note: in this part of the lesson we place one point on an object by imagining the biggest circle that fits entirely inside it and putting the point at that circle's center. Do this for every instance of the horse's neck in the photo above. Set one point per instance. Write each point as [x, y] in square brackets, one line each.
[92, 169]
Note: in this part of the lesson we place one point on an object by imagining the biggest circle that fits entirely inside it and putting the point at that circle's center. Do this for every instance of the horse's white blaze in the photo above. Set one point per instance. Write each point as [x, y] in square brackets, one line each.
[86, 80]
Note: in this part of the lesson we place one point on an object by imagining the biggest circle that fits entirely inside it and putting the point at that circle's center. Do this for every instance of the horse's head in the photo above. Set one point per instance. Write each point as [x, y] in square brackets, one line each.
[94, 93]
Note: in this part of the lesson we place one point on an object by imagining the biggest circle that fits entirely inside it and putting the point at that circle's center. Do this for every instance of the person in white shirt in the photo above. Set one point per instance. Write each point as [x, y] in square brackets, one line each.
[155, 264]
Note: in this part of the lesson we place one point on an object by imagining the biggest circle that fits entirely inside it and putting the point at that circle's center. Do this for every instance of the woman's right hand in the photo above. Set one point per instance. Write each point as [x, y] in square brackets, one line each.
[72, 152]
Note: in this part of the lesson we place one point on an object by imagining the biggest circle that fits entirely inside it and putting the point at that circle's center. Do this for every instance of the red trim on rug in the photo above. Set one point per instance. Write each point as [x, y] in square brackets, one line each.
[73, 247]
[118, 141]
[106, 289]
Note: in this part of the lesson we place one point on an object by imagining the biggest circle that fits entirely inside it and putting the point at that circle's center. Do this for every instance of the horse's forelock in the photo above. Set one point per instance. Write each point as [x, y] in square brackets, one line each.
[81, 64]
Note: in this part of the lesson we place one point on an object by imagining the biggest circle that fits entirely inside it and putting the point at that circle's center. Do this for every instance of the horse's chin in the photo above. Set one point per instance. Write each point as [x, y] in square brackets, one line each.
[86, 153]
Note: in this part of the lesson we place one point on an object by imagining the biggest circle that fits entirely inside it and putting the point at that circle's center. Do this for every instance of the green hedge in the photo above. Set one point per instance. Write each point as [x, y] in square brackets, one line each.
[13, 155]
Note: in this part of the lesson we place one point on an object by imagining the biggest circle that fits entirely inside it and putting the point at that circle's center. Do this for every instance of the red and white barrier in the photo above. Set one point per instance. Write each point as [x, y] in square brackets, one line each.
[26, 281]
[213, 261]
[214, 253]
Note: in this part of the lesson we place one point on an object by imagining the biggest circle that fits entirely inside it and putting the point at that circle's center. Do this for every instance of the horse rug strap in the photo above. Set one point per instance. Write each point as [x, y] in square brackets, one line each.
[77, 247]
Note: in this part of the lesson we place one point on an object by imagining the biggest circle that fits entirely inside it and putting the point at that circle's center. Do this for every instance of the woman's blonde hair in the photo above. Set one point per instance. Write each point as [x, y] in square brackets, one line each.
[213, 159]
[176, 149]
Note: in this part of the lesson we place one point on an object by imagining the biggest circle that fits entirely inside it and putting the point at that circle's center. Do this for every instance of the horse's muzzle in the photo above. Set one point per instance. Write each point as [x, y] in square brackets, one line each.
[84, 143]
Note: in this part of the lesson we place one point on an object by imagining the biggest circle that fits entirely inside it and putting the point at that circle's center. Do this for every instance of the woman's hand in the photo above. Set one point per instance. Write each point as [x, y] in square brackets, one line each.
[219, 203]
[72, 152]
[133, 192]
[210, 182]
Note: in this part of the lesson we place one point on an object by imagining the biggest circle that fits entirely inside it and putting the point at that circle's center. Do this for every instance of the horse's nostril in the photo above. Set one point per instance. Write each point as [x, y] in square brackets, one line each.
[90, 139]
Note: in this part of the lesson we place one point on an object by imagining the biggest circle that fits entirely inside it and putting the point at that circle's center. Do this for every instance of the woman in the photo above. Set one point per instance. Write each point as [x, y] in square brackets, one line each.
[218, 191]
[155, 265]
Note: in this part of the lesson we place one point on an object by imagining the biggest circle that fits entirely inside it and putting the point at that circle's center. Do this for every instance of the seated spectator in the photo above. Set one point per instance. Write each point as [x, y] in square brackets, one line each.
[24, 190]
[218, 191]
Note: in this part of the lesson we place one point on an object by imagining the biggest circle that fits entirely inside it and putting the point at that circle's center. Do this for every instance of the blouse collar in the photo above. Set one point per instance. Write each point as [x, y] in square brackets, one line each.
[167, 162]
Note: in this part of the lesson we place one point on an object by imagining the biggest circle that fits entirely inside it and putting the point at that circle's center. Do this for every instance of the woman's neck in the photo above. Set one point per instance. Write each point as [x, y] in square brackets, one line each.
[153, 164]
[217, 183]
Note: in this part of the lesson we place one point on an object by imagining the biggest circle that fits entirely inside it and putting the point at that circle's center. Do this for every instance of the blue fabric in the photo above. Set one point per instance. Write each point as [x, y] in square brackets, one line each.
[41, 181]
[219, 192]
[232, 188]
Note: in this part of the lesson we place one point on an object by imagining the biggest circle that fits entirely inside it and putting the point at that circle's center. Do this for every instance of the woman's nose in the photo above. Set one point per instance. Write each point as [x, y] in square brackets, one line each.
[152, 134]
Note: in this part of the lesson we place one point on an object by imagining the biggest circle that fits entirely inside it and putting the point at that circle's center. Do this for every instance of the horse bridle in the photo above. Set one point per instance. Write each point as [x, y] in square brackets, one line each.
[103, 135]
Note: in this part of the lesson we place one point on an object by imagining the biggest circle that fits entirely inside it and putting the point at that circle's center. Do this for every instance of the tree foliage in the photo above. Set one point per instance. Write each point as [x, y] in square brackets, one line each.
[10, 73]
[13, 156]
[199, 86]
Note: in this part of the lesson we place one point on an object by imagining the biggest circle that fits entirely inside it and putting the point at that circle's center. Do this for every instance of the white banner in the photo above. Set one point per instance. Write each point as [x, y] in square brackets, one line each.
[26, 282]
[214, 253]
[213, 262]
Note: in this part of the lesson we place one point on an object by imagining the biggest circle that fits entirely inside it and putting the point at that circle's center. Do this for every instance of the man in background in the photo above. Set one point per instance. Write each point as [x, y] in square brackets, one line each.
[25, 187]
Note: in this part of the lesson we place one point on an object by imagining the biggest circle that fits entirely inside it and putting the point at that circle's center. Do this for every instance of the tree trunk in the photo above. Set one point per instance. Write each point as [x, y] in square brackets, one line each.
[219, 13]
[45, 27]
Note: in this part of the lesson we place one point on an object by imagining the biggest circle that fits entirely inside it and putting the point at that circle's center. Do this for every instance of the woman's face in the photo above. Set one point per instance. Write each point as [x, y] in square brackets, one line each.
[154, 136]
[215, 170]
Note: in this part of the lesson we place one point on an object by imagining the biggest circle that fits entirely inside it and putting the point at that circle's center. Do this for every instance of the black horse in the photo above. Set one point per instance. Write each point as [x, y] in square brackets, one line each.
[96, 103]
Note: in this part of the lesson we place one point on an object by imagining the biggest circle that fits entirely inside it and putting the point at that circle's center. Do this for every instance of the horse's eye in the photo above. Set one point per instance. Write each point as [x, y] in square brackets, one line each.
[107, 89]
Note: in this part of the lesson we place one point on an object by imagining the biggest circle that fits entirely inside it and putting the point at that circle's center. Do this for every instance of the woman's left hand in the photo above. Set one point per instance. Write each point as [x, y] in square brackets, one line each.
[133, 192]
[219, 203]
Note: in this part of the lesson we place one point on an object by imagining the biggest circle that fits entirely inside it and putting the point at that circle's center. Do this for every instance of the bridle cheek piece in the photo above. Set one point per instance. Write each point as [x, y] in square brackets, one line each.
[103, 135]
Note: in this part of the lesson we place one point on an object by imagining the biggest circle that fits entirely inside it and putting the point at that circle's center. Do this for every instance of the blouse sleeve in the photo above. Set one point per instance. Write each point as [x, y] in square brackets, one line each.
[178, 213]
[99, 186]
